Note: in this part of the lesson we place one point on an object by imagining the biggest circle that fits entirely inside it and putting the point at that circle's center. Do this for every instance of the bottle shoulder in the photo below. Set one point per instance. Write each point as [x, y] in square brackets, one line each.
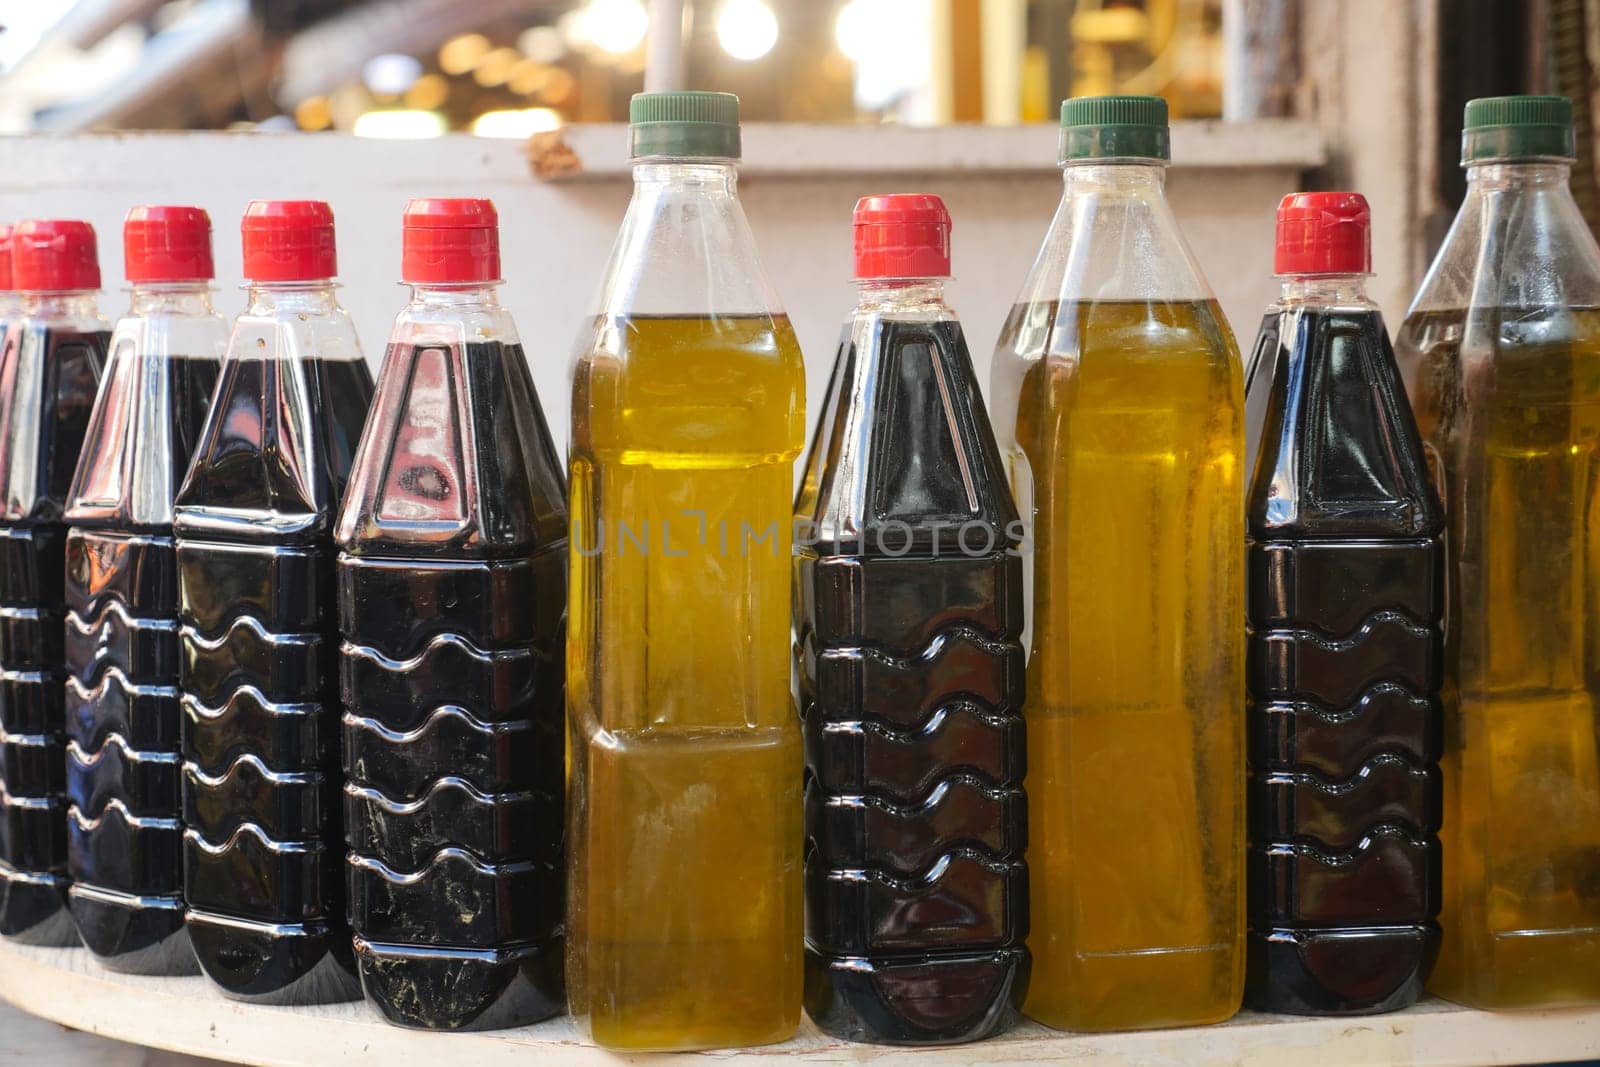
[1333, 442]
[904, 450]
[456, 458]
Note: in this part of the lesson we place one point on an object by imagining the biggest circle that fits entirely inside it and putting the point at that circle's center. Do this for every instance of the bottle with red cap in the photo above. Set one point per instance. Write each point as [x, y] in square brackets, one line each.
[263, 846]
[1344, 560]
[452, 608]
[1118, 401]
[124, 835]
[55, 351]
[10, 299]
[908, 630]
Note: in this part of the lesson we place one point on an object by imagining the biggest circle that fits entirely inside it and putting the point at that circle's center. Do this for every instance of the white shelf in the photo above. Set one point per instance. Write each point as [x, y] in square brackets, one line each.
[186, 1015]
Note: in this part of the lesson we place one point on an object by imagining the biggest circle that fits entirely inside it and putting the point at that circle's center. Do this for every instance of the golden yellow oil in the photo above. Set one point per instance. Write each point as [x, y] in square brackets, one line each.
[1509, 405]
[684, 923]
[1128, 460]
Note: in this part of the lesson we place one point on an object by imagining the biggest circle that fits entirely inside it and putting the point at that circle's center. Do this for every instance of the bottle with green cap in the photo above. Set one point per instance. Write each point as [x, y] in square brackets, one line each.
[1501, 355]
[688, 411]
[1117, 395]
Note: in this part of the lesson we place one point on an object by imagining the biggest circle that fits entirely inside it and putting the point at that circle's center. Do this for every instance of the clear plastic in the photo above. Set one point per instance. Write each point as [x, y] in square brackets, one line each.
[1344, 557]
[1501, 355]
[908, 633]
[452, 610]
[263, 842]
[124, 835]
[54, 353]
[684, 915]
[1118, 405]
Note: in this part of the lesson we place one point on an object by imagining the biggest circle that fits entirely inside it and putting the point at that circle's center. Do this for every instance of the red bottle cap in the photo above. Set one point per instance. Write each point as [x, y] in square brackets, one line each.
[5, 258]
[450, 242]
[54, 256]
[1324, 233]
[167, 244]
[288, 241]
[902, 235]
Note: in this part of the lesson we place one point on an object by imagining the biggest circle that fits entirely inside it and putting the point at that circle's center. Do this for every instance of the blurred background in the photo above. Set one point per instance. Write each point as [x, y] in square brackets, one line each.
[105, 104]
[508, 67]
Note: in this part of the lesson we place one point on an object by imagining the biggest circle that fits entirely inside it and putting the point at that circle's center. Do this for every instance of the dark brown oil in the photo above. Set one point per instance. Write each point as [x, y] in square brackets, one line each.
[1345, 603]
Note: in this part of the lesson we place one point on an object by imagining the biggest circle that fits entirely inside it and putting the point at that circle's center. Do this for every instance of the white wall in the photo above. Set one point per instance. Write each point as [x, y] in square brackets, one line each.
[556, 234]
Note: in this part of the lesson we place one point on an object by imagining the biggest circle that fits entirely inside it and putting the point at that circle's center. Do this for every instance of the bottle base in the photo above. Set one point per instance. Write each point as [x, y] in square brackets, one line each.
[949, 999]
[427, 988]
[33, 909]
[133, 935]
[268, 963]
[1521, 970]
[1138, 989]
[1350, 971]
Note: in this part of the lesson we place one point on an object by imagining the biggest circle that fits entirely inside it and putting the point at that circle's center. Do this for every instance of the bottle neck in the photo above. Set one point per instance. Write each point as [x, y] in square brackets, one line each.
[900, 294]
[703, 177]
[70, 303]
[469, 295]
[300, 298]
[171, 298]
[1504, 174]
[1326, 290]
[1134, 176]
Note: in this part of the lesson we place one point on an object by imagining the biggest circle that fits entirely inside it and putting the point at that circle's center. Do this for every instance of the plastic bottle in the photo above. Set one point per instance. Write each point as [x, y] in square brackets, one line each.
[263, 841]
[908, 628]
[124, 837]
[1118, 401]
[688, 410]
[1345, 565]
[49, 371]
[10, 299]
[452, 606]
[1499, 352]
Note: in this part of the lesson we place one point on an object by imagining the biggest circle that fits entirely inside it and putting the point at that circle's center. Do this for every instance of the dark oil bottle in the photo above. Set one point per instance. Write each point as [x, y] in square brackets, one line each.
[124, 834]
[452, 607]
[1345, 565]
[49, 371]
[263, 841]
[908, 620]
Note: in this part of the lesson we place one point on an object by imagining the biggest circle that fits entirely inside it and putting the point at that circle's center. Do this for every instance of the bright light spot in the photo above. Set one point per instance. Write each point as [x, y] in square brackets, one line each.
[747, 29]
[313, 113]
[518, 124]
[890, 43]
[496, 67]
[542, 44]
[390, 74]
[400, 125]
[529, 77]
[460, 54]
[428, 92]
[615, 26]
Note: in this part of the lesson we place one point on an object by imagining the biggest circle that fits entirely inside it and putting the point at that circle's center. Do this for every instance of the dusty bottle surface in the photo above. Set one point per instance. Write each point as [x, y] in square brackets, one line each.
[684, 895]
[263, 841]
[1501, 355]
[124, 834]
[452, 598]
[1345, 572]
[1118, 402]
[908, 627]
[54, 352]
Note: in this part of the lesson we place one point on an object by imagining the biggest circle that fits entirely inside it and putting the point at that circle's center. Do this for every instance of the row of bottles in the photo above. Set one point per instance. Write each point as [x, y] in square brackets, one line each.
[1183, 685]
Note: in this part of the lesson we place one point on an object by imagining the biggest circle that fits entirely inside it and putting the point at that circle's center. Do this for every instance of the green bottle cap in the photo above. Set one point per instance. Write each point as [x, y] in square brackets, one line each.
[684, 124]
[1115, 127]
[1518, 127]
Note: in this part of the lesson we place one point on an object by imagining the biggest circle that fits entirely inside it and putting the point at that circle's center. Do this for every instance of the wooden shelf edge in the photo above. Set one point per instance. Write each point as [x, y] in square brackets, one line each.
[185, 1015]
